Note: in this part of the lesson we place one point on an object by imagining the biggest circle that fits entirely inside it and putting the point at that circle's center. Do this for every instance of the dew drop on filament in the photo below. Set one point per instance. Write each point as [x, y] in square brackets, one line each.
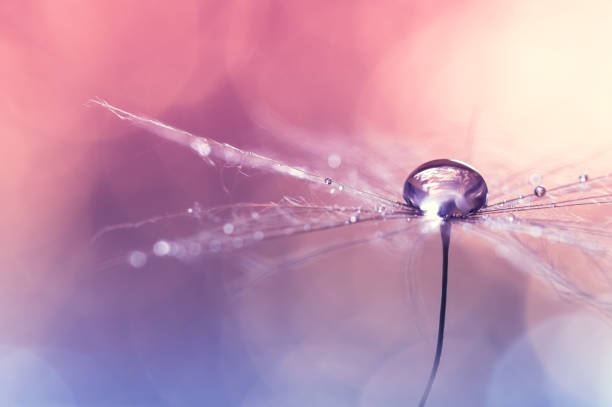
[446, 188]
[539, 191]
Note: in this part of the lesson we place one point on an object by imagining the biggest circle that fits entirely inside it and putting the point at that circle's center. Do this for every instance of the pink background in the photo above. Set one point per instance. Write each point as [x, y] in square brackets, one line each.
[522, 79]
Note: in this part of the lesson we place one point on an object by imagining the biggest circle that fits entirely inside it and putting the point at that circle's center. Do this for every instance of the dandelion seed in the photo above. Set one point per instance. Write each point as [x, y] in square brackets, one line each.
[437, 195]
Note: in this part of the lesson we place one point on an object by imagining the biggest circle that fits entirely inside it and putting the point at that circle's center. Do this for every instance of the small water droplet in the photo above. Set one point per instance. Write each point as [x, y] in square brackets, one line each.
[332, 191]
[539, 191]
[328, 181]
[583, 178]
[137, 259]
[201, 147]
[340, 187]
[511, 218]
[334, 160]
[228, 228]
[354, 218]
[161, 248]
[190, 210]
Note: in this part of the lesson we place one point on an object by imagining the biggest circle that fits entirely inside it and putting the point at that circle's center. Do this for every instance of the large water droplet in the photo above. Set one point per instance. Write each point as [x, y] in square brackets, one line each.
[539, 191]
[446, 188]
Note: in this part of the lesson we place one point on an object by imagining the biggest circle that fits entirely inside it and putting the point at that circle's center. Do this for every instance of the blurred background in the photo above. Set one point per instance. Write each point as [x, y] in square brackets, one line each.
[528, 81]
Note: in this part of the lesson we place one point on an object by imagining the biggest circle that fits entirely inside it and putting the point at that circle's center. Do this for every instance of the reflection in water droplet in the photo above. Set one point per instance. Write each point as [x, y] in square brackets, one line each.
[539, 191]
[511, 218]
[328, 181]
[446, 188]
[583, 178]
[238, 242]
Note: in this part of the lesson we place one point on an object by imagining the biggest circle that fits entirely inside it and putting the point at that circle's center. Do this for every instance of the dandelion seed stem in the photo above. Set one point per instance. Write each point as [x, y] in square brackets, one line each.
[445, 229]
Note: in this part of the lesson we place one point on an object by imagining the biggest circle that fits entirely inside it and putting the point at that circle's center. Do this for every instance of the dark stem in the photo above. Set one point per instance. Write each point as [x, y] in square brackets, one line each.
[445, 228]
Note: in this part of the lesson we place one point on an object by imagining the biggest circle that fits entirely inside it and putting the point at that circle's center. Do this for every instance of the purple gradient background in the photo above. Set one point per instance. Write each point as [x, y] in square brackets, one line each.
[79, 327]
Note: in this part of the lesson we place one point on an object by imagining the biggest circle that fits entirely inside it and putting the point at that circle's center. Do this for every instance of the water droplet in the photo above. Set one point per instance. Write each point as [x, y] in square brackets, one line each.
[583, 178]
[446, 188]
[228, 228]
[511, 218]
[354, 218]
[328, 181]
[137, 259]
[334, 160]
[201, 147]
[332, 191]
[161, 248]
[190, 210]
[539, 191]
[340, 187]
